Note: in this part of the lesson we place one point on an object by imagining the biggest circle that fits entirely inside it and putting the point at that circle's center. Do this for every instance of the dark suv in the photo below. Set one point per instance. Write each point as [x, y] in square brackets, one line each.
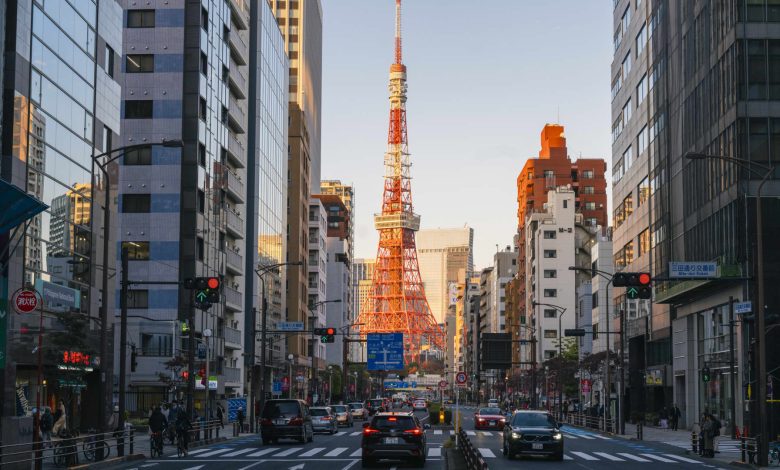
[286, 419]
[396, 436]
[532, 433]
[375, 405]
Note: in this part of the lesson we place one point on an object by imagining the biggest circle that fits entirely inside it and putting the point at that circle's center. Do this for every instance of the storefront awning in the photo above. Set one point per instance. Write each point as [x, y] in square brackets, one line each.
[17, 205]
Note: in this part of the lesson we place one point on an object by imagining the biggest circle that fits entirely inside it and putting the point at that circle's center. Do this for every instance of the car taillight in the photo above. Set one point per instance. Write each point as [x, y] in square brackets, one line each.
[296, 421]
[414, 432]
[327, 418]
[369, 431]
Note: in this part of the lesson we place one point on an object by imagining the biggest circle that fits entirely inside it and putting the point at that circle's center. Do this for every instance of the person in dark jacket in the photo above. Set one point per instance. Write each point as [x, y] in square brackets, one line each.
[240, 417]
[675, 417]
[47, 423]
[157, 421]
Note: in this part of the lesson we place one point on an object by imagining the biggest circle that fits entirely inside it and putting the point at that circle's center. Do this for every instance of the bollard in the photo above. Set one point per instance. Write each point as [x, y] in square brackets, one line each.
[639, 431]
[132, 435]
[742, 448]
[694, 442]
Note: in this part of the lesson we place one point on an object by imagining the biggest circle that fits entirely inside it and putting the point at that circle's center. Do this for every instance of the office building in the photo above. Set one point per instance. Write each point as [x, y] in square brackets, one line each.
[317, 284]
[61, 95]
[493, 290]
[301, 25]
[441, 254]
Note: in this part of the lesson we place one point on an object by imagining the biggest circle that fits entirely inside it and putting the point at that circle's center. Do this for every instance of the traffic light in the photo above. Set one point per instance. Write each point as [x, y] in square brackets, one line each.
[638, 285]
[705, 374]
[206, 290]
[327, 335]
[574, 332]
[133, 359]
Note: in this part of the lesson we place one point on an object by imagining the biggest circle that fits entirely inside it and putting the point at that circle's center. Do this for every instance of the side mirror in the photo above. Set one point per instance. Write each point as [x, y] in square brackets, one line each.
[365, 425]
[426, 426]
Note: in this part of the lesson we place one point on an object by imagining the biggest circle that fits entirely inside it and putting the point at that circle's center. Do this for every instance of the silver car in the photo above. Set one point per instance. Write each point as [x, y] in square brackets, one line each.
[343, 415]
[358, 411]
[323, 419]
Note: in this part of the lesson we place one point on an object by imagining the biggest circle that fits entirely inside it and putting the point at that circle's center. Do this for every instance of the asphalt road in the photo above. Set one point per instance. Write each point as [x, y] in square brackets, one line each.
[340, 451]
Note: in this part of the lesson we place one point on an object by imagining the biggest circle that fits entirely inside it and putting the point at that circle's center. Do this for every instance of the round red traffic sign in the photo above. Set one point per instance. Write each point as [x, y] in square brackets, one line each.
[460, 378]
[25, 301]
[443, 384]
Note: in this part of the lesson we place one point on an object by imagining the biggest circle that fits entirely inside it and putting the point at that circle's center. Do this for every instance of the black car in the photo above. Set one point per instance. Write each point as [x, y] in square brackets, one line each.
[375, 405]
[286, 419]
[395, 436]
[532, 433]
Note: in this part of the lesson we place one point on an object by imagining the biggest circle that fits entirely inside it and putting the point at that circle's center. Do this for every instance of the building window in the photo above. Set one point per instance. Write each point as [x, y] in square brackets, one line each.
[136, 203]
[108, 61]
[641, 90]
[549, 234]
[201, 248]
[643, 191]
[641, 141]
[590, 206]
[587, 174]
[138, 298]
[591, 221]
[625, 255]
[644, 241]
[550, 354]
[204, 19]
[202, 109]
[551, 292]
[550, 313]
[550, 254]
[550, 334]
[625, 20]
[565, 203]
[641, 40]
[588, 190]
[136, 251]
[550, 273]
[594, 300]
[139, 156]
[617, 82]
[202, 155]
[204, 64]
[628, 159]
[139, 109]
[140, 18]
[201, 201]
[549, 174]
[139, 63]
[627, 112]
[156, 344]
[625, 67]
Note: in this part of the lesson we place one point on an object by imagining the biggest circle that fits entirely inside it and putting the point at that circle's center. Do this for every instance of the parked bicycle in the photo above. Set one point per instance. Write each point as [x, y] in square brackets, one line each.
[92, 446]
[66, 452]
[774, 454]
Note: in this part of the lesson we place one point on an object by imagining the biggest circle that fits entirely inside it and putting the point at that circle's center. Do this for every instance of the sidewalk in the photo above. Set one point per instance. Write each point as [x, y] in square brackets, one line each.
[728, 449]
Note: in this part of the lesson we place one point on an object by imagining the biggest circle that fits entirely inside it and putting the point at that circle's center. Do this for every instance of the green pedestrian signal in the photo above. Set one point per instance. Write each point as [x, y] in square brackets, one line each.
[705, 375]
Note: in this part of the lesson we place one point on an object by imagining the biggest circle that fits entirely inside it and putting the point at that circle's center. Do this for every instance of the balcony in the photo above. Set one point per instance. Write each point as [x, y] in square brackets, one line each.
[239, 50]
[234, 262]
[233, 298]
[237, 116]
[237, 80]
[234, 186]
[235, 224]
[231, 375]
[237, 149]
[232, 338]
[239, 13]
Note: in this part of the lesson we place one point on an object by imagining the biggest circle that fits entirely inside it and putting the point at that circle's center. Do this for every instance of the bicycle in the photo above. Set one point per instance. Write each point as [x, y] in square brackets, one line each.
[91, 444]
[65, 451]
[156, 444]
[774, 454]
[181, 443]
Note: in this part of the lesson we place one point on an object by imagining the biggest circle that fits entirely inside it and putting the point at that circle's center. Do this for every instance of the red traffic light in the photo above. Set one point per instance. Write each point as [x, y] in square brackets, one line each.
[644, 279]
[213, 283]
[330, 331]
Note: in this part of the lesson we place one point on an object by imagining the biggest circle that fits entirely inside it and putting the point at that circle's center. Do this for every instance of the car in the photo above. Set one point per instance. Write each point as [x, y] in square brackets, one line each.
[493, 403]
[532, 432]
[487, 418]
[374, 405]
[286, 419]
[395, 436]
[358, 411]
[343, 415]
[323, 419]
[419, 405]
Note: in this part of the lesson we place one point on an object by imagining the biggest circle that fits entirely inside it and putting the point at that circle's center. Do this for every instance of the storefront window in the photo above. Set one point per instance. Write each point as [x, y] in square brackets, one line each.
[713, 352]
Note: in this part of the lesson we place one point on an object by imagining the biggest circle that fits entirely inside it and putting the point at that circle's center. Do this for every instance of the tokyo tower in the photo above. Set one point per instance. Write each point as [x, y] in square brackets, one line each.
[397, 302]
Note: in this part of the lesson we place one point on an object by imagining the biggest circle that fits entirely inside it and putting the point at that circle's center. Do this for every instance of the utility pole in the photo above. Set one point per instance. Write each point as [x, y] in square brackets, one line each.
[123, 344]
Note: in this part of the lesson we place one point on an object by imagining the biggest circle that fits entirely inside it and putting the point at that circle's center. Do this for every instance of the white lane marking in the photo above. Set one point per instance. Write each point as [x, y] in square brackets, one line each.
[214, 452]
[357, 453]
[335, 452]
[252, 465]
[196, 451]
[287, 452]
[609, 457]
[239, 452]
[471, 433]
[263, 452]
[197, 466]
[340, 433]
[566, 457]
[585, 436]
[356, 433]
[684, 459]
[437, 432]
[599, 436]
[312, 452]
[632, 457]
[487, 453]
[571, 436]
[434, 452]
[149, 465]
[484, 433]
[658, 458]
[350, 465]
[585, 456]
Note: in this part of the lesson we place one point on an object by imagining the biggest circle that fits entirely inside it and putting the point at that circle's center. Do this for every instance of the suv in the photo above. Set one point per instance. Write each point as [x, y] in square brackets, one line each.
[534, 433]
[375, 405]
[396, 436]
[288, 419]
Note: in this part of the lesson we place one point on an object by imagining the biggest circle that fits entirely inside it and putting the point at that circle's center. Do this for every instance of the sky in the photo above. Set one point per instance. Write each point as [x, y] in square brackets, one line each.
[484, 78]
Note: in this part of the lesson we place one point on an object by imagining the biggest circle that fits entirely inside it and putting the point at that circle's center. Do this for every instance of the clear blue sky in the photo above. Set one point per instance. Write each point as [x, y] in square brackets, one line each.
[484, 78]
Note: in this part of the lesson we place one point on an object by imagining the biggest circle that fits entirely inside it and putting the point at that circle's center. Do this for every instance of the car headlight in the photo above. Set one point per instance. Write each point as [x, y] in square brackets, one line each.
[516, 435]
[557, 436]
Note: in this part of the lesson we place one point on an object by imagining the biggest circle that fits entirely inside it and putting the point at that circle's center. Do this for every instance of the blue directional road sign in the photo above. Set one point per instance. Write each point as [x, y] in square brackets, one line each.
[385, 351]
[277, 387]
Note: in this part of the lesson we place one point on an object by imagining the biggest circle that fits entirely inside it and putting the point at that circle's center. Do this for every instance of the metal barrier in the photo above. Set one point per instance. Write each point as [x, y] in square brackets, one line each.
[749, 448]
[695, 442]
[67, 450]
[474, 460]
[587, 421]
[640, 431]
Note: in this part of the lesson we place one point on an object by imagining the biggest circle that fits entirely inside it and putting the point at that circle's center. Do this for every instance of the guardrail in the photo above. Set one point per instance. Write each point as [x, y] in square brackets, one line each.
[474, 460]
[749, 449]
[68, 450]
[587, 421]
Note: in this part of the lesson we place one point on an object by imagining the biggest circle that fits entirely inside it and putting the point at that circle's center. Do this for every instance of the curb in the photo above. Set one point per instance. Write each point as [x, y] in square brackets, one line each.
[111, 461]
[739, 464]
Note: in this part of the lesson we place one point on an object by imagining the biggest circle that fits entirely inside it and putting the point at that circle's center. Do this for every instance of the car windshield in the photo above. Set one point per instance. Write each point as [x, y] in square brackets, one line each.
[281, 409]
[541, 420]
[356, 406]
[319, 412]
[401, 423]
[490, 411]
[340, 409]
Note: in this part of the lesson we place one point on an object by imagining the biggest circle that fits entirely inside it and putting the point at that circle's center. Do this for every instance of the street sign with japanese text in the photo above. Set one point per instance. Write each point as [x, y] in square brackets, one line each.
[385, 351]
[25, 301]
[743, 307]
[693, 269]
[290, 326]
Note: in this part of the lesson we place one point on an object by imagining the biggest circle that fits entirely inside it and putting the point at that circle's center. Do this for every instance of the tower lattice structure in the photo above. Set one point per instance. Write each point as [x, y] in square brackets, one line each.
[397, 301]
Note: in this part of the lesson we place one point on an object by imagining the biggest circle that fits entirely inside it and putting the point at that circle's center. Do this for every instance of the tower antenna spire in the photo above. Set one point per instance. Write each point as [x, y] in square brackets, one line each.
[398, 55]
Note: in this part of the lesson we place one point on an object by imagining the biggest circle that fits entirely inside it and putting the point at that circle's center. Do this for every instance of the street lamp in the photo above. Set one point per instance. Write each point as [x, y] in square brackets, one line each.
[561, 311]
[103, 312]
[290, 358]
[261, 271]
[330, 384]
[314, 307]
[763, 438]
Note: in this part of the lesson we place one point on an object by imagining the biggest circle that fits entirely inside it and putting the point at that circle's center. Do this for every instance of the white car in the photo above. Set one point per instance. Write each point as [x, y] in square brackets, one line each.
[493, 403]
[419, 405]
[358, 412]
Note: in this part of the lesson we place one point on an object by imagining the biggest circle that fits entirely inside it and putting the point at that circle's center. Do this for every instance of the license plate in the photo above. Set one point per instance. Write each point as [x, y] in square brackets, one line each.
[391, 440]
[492, 423]
[280, 421]
[537, 446]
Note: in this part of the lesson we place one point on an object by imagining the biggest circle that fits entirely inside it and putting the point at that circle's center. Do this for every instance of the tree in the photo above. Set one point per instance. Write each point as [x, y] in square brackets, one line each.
[173, 378]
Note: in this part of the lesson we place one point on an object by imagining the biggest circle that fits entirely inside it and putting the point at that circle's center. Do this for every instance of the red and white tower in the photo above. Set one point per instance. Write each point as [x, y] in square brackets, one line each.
[397, 301]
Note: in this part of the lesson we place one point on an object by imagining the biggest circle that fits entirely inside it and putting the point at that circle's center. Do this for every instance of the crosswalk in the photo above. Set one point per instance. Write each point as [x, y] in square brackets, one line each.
[725, 446]
[614, 457]
[434, 451]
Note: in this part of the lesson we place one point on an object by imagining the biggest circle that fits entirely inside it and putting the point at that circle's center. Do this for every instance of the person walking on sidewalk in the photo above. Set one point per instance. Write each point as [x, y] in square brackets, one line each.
[707, 437]
[716, 426]
[675, 417]
[240, 417]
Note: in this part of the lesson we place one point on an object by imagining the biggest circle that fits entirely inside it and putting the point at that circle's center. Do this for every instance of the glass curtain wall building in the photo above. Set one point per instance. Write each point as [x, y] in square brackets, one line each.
[60, 108]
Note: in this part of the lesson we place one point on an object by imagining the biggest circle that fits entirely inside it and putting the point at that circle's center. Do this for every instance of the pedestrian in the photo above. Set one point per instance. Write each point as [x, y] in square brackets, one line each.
[675, 417]
[47, 423]
[716, 426]
[60, 419]
[221, 416]
[707, 436]
[565, 409]
[240, 417]
[663, 418]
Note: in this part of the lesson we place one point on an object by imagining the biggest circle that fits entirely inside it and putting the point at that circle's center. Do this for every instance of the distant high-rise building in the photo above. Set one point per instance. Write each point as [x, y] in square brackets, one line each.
[442, 253]
[317, 283]
[493, 290]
